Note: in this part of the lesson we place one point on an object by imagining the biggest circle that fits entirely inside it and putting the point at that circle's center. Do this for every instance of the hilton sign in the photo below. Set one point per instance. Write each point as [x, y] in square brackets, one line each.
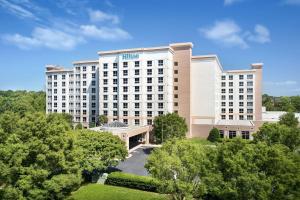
[130, 56]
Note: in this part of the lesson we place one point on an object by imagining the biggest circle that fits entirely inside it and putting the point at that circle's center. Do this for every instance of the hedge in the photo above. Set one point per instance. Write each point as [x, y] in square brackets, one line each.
[133, 181]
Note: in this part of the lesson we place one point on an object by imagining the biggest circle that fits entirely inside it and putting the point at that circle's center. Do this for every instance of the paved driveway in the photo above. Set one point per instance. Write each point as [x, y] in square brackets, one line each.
[135, 164]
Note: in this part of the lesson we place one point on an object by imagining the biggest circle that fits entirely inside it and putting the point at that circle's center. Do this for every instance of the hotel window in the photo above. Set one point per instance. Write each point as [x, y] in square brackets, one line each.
[149, 71]
[55, 98]
[160, 79]
[232, 134]
[105, 65]
[175, 63]
[55, 105]
[105, 73]
[136, 122]
[125, 72]
[250, 90]
[136, 97]
[230, 104]
[125, 113]
[84, 112]
[93, 68]
[249, 103]
[175, 71]
[160, 62]
[149, 121]
[176, 104]
[249, 83]
[223, 84]
[160, 97]
[175, 96]
[136, 105]
[136, 80]
[115, 113]
[105, 97]
[241, 84]
[125, 89]
[160, 113]
[55, 84]
[125, 81]
[83, 97]
[149, 113]
[115, 97]
[249, 110]
[115, 81]
[241, 90]
[84, 76]
[223, 91]
[93, 75]
[223, 117]
[175, 80]
[223, 77]
[137, 72]
[137, 63]
[149, 80]
[115, 89]
[84, 105]
[230, 90]
[105, 89]
[160, 105]
[223, 103]
[230, 97]
[230, 84]
[105, 81]
[83, 83]
[249, 117]
[241, 117]
[149, 63]
[125, 64]
[93, 112]
[84, 68]
[136, 88]
[125, 97]
[93, 90]
[115, 105]
[230, 110]
[241, 77]
[175, 87]
[230, 77]
[84, 90]
[221, 134]
[241, 110]
[93, 83]
[105, 112]
[246, 135]
[149, 88]
[63, 77]
[160, 71]
[115, 73]
[149, 105]
[55, 77]
[223, 110]
[55, 91]
[77, 76]
[125, 105]
[249, 76]
[63, 83]
[223, 97]
[241, 104]
[149, 96]
[115, 65]
[160, 88]
[125, 121]
[249, 97]
[241, 97]
[49, 76]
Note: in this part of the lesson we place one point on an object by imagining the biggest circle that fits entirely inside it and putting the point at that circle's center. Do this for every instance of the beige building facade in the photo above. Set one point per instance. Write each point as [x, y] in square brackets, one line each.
[134, 86]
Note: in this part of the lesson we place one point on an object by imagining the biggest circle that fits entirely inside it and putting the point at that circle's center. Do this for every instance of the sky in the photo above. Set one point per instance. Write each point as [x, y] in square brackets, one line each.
[34, 33]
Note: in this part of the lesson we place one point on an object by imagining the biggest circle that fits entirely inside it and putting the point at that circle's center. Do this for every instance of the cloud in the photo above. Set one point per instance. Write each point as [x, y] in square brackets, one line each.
[291, 2]
[230, 2]
[230, 34]
[104, 33]
[262, 34]
[282, 83]
[45, 37]
[100, 16]
[226, 32]
[17, 10]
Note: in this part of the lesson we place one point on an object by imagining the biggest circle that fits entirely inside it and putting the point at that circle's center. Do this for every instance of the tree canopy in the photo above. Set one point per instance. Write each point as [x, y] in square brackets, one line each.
[169, 126]
[284, 103]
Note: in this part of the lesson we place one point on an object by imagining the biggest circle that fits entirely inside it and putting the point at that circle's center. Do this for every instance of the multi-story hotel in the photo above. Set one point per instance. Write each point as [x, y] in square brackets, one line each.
[135, 85]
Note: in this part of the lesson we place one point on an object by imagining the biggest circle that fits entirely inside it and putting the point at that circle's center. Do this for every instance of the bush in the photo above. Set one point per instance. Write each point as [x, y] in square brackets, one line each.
[133, 181]
[214, 135]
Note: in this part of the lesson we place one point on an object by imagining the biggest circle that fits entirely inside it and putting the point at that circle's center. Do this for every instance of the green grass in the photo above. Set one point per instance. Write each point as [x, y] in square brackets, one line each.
[200, 141]
[107, 192]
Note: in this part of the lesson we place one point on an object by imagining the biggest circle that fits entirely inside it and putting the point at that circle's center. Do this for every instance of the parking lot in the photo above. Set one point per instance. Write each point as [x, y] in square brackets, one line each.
[135, 163]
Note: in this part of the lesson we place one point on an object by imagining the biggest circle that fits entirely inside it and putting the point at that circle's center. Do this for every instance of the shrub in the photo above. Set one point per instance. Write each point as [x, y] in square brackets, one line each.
[214, 135]
[133, 181]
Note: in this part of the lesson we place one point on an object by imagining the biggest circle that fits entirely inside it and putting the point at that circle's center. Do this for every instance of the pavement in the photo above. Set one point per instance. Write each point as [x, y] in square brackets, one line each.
[136, 162]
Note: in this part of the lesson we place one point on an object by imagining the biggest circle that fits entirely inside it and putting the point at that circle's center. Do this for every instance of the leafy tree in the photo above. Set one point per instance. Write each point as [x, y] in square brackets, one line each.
[289, 120]
[100, 150]
[169, 126]
[214, 135]
[102, 119]
[78, 126]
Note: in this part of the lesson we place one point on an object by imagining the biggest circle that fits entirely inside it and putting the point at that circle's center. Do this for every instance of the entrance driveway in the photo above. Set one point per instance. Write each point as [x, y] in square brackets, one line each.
[135, 163]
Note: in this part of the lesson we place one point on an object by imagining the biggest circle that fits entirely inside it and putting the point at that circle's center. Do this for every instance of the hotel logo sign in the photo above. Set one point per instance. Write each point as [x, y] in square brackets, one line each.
[130, 56]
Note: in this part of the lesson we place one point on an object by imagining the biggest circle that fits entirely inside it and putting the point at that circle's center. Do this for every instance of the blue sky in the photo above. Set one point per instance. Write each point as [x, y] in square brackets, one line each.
[35, 33]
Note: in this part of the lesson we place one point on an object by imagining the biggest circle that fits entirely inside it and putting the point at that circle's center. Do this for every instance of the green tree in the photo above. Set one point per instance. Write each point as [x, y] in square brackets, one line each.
[296, 102]
[289, 120]
[102, 119]
[78, 126]
[214, 135]
[169, 126]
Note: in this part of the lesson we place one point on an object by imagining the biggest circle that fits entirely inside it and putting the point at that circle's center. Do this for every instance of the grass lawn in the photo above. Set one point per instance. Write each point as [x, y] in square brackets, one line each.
[200, 141]
[107, 192]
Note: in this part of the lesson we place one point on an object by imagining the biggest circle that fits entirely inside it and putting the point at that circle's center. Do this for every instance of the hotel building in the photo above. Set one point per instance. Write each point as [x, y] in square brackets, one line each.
[135, 85]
